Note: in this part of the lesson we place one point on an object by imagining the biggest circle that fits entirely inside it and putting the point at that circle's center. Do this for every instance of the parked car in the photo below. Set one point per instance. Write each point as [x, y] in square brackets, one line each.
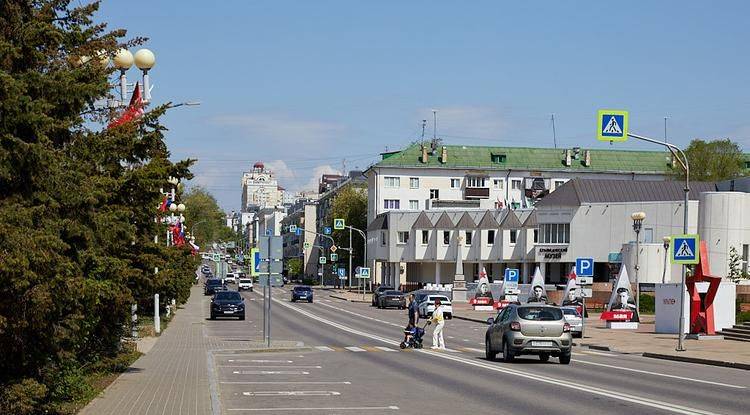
[427, 306]
[377, 292]
[212, 286]
[205, 270]
[529, 329]
[392, 298]
[245, 284]
[227, 304]
[573, 317]
[302, 293]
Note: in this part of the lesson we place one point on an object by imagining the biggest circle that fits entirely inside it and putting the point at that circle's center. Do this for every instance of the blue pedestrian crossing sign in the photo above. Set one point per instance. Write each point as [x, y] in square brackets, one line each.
[585, 267]
[685, 249]
[612, 125]
[339, 224]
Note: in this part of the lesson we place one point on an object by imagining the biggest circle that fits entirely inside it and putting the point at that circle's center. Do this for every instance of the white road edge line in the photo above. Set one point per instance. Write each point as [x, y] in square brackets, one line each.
[612, 394]
[289, 383]
[350, 408]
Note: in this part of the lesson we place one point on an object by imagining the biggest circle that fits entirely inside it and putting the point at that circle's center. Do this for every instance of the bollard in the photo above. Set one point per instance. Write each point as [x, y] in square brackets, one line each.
[157, 322]
[133, 321]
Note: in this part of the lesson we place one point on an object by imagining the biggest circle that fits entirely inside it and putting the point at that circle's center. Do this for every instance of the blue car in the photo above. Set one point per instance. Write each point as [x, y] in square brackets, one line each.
[302, 293]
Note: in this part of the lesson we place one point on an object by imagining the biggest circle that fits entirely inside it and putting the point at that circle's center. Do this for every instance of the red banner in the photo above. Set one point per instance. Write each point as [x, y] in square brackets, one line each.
[617, 315]
[480, 301]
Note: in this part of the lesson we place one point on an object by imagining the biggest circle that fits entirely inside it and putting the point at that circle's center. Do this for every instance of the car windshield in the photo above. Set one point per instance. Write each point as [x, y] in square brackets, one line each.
[302, 289]
[213, 282]
[570, 312]
[540, 313]
[393, 293]
[381, 289]
[244, 281]
[228, 295]
[441, 298]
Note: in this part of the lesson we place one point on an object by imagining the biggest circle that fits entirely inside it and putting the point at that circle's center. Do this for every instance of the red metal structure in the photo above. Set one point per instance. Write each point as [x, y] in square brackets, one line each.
[702, 309]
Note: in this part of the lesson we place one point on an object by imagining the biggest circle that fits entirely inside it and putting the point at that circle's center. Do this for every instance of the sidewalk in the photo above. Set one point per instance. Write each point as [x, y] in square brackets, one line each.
[173, 377]
[355, 297]
[643, 341]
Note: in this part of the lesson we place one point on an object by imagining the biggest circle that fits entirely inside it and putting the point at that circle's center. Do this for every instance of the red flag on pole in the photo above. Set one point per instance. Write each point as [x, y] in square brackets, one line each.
[133, 111]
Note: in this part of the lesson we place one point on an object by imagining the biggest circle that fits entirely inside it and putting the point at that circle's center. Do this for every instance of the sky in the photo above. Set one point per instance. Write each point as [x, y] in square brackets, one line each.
[312, 87]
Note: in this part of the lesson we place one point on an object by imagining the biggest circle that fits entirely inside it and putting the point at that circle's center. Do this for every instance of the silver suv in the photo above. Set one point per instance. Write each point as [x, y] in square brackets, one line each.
[529, 329]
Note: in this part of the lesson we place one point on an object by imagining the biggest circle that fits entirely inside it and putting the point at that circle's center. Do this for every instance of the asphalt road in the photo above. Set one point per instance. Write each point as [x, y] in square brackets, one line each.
[351, 363]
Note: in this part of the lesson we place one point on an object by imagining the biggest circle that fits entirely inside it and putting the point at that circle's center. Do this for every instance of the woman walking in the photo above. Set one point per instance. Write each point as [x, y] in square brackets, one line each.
[437, 318]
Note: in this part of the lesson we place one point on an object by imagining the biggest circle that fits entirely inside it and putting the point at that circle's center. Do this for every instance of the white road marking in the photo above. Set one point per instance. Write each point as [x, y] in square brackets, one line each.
[270, 372]
[290, 383]
[660, 374]
[385, 349]
[343, 408]
[363, 316]
[292, 393]
[471, 349]
[450, 337]
[324, 348]
[590, 389]
[597, 353]
[275, 366]
[355, 349]
[260, 361]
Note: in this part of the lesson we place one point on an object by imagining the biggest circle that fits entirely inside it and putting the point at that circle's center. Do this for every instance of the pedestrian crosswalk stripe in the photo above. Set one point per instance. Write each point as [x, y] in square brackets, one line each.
[355, 349]
[385, 349]
[324, 348]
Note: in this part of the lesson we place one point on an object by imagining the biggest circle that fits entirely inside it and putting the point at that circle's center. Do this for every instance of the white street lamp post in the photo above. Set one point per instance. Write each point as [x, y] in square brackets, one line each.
[637, 223]
[145, 60]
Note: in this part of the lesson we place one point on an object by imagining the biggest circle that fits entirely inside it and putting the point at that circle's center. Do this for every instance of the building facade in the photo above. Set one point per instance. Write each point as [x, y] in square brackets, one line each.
[302, 215]
[260, 189]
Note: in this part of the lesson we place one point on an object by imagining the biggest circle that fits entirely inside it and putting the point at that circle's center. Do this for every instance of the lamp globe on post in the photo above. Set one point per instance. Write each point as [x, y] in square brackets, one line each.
[123, 60]
[173, 207]
[666, 240]
[181, 207]
[638, 218]
[145, 60]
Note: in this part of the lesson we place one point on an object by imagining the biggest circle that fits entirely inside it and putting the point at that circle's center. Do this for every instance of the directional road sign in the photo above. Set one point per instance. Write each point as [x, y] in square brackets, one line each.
[339, 224]
[322, 260]
[276, 245]
[342, 273]
[612, 125]
[293, 228]
[275, 267]
[685, 249]
[327, 230]
[585, 267]
[255, 266]
[334, 257]
[510, 279]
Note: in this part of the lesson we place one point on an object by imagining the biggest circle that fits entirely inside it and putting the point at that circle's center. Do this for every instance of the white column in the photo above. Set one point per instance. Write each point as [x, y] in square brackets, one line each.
[437, 272]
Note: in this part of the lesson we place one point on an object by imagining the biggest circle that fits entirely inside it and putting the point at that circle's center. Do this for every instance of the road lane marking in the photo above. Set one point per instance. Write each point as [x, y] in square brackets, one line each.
[324, 348]
[385, 349]
[260, 361]
[289, 383]
[291, 393]
[472, 349]
[341, 408]
[270, 372]
[660, 374]
[362, 315]
[594, 390]
[597, 353]
[355, 349]
[275, 366]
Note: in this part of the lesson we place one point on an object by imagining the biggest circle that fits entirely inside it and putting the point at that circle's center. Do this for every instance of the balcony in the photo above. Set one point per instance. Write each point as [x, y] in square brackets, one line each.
[477, 193]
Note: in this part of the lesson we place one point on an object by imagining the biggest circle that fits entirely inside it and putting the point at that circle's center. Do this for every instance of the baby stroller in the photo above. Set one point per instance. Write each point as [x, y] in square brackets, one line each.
[413, 337]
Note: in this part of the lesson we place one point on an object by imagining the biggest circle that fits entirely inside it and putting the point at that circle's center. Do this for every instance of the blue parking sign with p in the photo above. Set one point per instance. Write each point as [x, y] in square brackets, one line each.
[511, 275]
[585, 267]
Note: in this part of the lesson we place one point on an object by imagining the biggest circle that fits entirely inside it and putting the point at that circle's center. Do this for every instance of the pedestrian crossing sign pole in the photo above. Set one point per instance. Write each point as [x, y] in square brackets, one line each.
[612, 125]
[685, 249]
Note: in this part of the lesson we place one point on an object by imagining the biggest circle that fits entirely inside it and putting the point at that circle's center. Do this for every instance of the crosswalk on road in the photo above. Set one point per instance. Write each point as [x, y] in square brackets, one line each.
[367, 348]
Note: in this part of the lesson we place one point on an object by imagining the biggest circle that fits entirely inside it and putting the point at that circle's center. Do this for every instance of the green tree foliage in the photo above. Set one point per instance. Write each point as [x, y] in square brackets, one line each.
[735, 273]
[294, 266]
[713, 160]
[77, 206]
[205, 219]
[351, 204]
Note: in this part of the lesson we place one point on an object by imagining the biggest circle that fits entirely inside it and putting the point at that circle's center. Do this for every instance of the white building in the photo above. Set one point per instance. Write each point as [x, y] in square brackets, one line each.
[260, 189]
[303, 215]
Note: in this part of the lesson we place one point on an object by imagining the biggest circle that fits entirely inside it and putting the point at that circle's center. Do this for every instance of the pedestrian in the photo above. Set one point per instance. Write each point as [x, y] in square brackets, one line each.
[437, 318]
[413, 316]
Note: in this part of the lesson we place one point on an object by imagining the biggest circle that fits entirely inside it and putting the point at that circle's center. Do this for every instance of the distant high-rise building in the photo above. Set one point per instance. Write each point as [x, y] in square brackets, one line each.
[260, 189]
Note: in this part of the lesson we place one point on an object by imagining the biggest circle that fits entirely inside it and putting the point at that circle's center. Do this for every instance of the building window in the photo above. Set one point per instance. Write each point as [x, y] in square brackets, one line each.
[469, 235]
[414, 183]
[391, 204]
[513, 236]
[536, 236]
[434, 194]
[425, 237]
[498, 158]
[403, 237]
[648, 235]
[497, 184]
[554, 233]
[491, 237]
[515, 184]
[392, 182]
[745, 249]
[446, 238]
[455, 183]
[382, 238]
[559, 183]
[414, 204]
[474, 181]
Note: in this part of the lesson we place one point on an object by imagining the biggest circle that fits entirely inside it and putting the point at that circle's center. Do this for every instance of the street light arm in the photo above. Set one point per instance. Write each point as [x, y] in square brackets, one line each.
[672, 149]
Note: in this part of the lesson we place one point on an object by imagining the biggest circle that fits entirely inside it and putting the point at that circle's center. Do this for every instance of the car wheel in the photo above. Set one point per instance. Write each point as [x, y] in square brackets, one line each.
[488, 353]
[507, 353]
[565, 359]
[309, 301]
[293, 300]
[213, 317]
[242, 317]
[251, 290]
[544, 357]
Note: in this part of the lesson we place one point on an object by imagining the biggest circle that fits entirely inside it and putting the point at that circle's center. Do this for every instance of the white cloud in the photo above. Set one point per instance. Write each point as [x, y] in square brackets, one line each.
[282, 130]
[466, 121]
[317, 172]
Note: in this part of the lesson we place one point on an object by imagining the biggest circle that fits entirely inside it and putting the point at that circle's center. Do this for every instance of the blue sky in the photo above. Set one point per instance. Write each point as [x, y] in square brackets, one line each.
[302, 85]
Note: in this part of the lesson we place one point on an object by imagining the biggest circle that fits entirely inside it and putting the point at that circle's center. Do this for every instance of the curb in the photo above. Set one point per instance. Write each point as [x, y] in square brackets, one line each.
[338, 297]
[475, 320]
[735, 365]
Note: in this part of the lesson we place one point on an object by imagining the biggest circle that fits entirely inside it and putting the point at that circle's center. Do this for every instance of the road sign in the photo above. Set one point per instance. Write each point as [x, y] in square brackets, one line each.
[276, 281]
[584, 267]
[298, 231]
[585, 280]
[342, 273]
[276, 245]
[364, 272]
[255, 266]
[685, 250]
[334, 248]
[510, 279]
[339, 224]
[276, 267]
[334, 257]
[293, 228]
[322, 260]
[612, 125]
[217, 257]
[306, 245]
[327, 230]
[269, 232]
[587, 292]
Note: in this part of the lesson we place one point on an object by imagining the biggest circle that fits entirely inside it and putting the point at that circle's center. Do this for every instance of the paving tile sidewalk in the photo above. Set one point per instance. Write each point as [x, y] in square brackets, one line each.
[644, 341]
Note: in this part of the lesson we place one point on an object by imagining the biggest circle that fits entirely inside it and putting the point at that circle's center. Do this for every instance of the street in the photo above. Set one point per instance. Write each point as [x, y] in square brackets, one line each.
[349, 361]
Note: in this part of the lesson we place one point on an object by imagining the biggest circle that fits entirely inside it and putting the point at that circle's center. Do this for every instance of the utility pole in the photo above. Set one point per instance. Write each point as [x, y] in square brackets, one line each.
[351, 252]
[554, 134]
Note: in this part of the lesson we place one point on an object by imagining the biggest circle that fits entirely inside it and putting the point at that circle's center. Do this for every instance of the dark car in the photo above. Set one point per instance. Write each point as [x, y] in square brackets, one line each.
[206, 270]
[227, 304]
[212, 286]
[392, 298]
[302, 293]
[378, 291]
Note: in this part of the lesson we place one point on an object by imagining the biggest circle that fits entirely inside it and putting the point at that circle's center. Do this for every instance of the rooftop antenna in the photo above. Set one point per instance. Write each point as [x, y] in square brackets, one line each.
[424, 124]
[665, 130]
[554, 134]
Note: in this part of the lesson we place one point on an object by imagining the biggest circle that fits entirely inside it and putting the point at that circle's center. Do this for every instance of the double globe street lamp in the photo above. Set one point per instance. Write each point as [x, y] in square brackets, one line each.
[638, 218]
[144, 60]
